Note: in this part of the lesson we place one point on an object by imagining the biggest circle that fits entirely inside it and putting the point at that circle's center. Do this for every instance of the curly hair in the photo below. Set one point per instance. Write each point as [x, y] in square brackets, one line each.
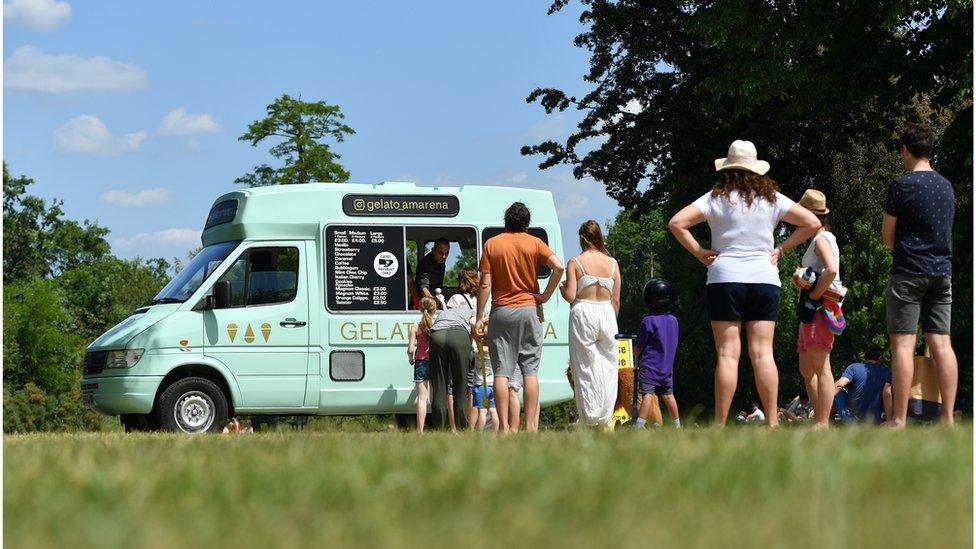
[517, 218]
[468, 281]
[749, 185]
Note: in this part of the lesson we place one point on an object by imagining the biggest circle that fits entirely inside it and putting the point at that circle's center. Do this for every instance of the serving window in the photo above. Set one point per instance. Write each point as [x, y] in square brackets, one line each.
[374, 268]
[423, 241]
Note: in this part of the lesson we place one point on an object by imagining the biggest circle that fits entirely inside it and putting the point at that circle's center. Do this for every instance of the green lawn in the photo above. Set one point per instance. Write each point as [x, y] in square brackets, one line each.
[740, 487]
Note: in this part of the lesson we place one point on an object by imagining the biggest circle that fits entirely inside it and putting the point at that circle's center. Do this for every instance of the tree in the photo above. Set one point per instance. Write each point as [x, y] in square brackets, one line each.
[62, 288]
[820, 87]
[302, 125]
[37, 240]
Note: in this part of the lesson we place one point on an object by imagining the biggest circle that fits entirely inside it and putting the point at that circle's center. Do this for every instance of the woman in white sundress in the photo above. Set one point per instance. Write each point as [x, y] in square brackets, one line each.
[592, 287]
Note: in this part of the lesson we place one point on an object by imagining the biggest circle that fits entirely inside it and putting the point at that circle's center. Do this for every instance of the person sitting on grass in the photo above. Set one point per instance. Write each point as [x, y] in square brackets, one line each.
[657, 343]
[799, 409]
[756, 414]
[864, 389]
[233, 426]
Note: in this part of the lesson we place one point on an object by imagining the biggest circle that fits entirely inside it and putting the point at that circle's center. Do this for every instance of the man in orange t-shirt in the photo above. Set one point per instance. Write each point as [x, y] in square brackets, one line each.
[509, 272]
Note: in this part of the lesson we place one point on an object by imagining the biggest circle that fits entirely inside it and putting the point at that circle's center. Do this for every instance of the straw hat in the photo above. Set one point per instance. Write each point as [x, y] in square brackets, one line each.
[815, 201]
[742, 155]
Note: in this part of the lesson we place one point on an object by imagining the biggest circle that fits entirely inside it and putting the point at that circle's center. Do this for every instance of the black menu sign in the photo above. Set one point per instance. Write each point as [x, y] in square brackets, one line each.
[365, 268]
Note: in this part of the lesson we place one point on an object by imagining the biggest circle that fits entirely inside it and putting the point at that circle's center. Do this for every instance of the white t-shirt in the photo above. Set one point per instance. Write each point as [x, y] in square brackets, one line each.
[461, 301]
[743, 237]
[812, 260]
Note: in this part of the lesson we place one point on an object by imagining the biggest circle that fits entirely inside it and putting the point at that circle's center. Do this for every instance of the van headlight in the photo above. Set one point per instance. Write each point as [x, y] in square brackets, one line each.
[123, 359]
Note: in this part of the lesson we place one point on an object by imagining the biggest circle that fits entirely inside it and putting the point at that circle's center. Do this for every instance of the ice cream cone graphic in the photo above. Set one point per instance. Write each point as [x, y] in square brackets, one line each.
[266, 331]
[232, 331]
[249, 334]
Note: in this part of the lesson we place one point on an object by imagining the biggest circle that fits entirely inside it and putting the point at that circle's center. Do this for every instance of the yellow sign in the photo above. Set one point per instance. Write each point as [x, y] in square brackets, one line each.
[266, 331]
[625, 353]
[232, 331]
[249, 334]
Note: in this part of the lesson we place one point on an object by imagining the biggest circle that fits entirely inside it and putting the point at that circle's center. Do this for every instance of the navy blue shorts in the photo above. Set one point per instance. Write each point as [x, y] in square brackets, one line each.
[736, 301]
[421, 371]
[657, 390]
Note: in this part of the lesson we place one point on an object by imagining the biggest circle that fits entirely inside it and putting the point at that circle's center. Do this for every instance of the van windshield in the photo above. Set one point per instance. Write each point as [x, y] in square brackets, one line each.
[196, 271]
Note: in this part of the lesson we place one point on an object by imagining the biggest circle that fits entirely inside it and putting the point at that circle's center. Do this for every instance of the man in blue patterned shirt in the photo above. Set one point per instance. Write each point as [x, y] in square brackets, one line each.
[917, 227]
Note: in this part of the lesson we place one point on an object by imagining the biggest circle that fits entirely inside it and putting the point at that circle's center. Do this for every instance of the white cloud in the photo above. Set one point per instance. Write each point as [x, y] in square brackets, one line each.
[178, 122]
[29, 68]
[148, 197]
[519, 177]
[193, 146]
[36, 14]
[165, 237]
[571, 205]
[87, 134]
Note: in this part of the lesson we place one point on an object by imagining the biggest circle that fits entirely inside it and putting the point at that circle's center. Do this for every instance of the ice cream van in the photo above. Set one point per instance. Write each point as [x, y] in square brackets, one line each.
[299, 304]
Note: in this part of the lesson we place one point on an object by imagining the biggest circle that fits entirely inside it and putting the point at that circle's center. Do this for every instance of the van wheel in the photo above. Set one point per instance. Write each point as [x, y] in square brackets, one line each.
[138, 422]
[192, 405]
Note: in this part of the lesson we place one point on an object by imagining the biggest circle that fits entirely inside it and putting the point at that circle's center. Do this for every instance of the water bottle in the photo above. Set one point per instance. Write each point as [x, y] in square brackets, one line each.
[809, 277]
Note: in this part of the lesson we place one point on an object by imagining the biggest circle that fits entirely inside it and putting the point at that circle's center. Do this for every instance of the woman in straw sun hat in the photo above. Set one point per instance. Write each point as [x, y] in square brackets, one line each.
[742, 209]
[815, 340]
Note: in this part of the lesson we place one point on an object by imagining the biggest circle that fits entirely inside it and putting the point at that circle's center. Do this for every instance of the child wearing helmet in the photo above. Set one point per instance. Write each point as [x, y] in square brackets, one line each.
[656, 345]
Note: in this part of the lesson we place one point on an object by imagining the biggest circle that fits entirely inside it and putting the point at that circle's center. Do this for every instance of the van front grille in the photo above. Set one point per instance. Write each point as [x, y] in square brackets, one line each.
[94, 362]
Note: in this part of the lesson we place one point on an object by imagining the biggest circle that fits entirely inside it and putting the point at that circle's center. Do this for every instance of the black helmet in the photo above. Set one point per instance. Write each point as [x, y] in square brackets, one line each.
[658, 294]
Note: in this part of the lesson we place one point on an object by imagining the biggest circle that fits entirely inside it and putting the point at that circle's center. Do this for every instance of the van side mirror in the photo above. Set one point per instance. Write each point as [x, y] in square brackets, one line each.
[221, 294]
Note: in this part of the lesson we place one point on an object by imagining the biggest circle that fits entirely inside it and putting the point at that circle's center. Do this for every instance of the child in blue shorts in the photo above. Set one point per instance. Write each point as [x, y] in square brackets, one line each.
[477, 413]
[656, 345]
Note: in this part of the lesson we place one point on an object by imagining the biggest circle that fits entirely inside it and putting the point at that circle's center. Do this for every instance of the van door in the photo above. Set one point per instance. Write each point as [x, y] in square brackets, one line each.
[263, 337]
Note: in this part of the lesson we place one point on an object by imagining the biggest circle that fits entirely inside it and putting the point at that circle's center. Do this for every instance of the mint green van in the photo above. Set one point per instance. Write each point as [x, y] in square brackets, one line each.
[299, 304]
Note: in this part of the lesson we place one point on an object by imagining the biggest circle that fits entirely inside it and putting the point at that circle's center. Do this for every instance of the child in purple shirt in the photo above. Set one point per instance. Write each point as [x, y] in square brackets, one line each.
[657, 343]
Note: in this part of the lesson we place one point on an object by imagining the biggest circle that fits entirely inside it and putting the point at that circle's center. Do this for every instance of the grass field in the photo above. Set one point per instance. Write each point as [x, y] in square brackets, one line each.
[739, 487]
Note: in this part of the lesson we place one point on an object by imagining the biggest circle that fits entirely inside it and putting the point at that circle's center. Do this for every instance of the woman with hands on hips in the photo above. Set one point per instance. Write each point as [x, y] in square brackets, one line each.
[742, 210]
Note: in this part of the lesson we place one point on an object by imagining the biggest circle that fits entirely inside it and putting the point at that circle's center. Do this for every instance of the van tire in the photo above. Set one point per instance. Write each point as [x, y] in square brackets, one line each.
[192, 405]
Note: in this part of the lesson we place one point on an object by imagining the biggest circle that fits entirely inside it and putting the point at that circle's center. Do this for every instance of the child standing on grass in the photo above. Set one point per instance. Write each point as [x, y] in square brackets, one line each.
[477, 413]
[418, 353]
[657, 343]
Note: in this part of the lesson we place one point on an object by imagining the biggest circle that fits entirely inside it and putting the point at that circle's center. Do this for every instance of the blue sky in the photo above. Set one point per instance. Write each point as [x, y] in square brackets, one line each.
[130, 111]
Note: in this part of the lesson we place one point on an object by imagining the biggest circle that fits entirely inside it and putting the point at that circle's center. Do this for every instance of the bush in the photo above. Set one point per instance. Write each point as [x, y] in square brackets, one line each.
[30, 408]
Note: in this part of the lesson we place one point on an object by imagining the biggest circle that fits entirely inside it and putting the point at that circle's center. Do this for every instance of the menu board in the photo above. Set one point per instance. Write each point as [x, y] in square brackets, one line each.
[365, 268]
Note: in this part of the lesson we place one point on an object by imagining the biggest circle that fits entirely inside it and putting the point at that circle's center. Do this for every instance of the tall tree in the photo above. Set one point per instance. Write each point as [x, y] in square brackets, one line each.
[302, 126]
[820, 86]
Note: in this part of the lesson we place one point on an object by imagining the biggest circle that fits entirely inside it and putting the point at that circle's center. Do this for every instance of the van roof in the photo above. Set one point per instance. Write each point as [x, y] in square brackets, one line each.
[297, 211]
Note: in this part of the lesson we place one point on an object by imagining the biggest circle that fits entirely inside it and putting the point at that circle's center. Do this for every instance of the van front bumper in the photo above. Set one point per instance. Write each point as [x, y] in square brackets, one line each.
[120, 395]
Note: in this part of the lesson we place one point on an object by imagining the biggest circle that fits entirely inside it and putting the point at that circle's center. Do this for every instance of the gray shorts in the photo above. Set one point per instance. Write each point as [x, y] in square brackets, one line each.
[515, 381]
[911, 300]
[514, 340]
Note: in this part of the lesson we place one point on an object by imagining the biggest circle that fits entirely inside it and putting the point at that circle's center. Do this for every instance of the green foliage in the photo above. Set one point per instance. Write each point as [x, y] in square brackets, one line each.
[37, 240]
[103, 293]
[41, 345]
[467, 259]
[302, 125]
[62, 289]
[736, 487]
[674, 83]
[31, 408]
[637, 242]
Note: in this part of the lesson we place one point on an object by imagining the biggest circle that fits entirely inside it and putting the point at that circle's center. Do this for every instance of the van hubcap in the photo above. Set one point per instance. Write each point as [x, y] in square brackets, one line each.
[194, 412]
